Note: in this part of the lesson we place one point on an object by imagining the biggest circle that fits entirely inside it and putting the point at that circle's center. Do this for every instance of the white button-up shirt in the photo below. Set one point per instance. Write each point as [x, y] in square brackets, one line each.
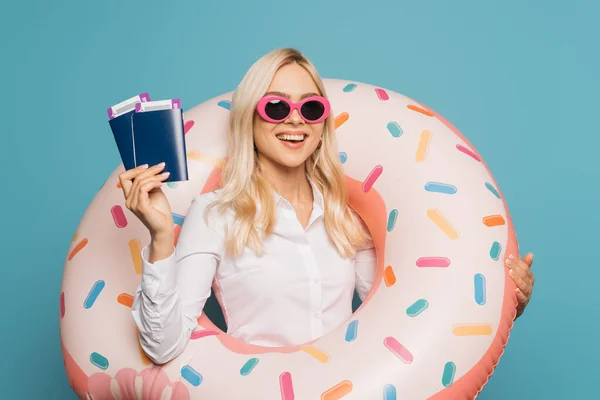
[299, 290]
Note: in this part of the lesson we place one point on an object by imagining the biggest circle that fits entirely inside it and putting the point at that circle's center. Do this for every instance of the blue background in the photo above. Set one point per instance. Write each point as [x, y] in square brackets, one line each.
[518, 78]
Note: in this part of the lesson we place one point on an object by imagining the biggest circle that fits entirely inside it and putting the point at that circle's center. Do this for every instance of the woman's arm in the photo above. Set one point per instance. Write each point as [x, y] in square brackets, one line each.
[175, 287]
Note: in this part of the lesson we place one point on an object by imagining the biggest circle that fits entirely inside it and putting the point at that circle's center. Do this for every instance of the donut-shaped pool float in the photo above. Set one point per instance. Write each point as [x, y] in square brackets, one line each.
[436, 320]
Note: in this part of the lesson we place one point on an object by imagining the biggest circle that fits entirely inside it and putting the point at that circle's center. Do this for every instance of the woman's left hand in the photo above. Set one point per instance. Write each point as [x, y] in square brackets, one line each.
[520, 272]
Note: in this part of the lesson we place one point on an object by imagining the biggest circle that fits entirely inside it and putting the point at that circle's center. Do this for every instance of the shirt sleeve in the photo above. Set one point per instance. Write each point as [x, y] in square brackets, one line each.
[365, 266]
[172, 293]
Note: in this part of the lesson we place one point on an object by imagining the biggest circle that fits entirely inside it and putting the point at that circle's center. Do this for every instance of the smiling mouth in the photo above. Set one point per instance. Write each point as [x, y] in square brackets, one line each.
[291, 138]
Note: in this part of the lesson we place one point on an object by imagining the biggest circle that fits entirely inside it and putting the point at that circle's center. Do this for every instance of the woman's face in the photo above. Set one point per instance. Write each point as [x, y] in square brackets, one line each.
[277, 143]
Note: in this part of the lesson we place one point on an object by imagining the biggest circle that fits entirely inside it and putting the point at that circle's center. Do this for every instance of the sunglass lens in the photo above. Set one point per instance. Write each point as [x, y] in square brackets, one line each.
[313, 110]
[277, 109]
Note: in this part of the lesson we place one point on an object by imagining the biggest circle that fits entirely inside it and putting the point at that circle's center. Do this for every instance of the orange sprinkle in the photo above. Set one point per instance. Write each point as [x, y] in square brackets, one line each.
[341, 119]
[388, 276]
[493, 220]
[135, 248]
[125, 299]
[205, 158]
[78, 247]
[472, 329]
[213, 181]
[420, 110]
[119, 185]
[338, 391]
[176, 235]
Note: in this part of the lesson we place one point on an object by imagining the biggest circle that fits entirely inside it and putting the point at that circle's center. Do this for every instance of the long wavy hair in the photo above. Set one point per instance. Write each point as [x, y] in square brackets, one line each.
[244, 185]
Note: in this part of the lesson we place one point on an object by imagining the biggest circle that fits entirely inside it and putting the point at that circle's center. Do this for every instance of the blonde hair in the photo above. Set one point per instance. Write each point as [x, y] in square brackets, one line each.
[243, 181]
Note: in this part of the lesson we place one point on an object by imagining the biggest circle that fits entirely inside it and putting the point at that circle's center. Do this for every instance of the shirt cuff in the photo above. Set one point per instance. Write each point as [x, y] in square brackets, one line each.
[159, 278]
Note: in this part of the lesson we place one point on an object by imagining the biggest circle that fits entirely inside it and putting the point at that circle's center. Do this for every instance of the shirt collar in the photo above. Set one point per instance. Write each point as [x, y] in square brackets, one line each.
[318, 200]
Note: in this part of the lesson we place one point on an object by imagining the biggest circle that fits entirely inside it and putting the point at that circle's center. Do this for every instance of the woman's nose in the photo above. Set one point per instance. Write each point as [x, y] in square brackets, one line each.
[295, 118]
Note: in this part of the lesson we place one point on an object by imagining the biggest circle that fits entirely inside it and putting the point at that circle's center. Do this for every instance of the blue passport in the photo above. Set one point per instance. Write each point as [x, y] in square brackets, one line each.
[152, 137]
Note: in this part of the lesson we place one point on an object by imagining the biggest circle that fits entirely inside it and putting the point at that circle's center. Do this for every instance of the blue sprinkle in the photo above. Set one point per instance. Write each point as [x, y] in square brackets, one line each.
[389, 392]
[448, 375]
[249, 366]
[191, 375]
[392, 220]
[394, 129]
[417, 308]
[440, 187]
[343, 157]
[349, 87]
[178, 218]
[479, 283]
[492, 189]
[352, 331]
[225, 104]
[99, 360]
[495, 251]
[93, 294]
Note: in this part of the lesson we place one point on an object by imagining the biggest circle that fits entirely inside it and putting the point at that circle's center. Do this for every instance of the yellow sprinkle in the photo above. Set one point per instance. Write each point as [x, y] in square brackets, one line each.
[215, 162]
[443, 223]
[472, 329]
[423, 148]
[75, 237]
[135, 248]
[316, 353]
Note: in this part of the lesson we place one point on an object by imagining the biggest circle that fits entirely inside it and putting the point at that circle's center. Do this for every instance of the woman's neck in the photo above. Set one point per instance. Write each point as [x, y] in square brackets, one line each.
[291, 183]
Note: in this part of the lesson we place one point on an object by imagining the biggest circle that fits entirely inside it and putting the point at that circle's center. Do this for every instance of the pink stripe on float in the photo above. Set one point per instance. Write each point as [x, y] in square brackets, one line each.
[285, 384]
[203, 333]
[398, 350]
[382, 94]
[468, 152]
[373, 175]
[435, 262]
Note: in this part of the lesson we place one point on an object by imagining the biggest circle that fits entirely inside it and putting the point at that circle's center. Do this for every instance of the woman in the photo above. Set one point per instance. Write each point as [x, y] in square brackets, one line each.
[280, 244]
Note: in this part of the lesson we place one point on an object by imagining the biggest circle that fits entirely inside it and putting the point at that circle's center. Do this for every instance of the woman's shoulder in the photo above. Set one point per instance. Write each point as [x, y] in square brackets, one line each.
[204, 200]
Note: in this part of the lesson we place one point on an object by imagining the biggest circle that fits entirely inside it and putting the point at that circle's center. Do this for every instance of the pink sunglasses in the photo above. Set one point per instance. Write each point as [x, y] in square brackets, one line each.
[276, 109]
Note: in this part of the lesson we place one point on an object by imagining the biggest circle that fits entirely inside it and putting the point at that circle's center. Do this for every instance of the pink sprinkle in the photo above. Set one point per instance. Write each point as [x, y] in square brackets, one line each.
[398, 350]
[373, 175]
[203, 333]
[436, 262]
[187, 126]
[285, 384]
[382, 94]
[119, 216]
[62, 304]
[467, 152]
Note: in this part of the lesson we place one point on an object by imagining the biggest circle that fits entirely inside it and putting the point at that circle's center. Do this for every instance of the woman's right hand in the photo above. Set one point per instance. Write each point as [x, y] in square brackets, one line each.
[145, 198]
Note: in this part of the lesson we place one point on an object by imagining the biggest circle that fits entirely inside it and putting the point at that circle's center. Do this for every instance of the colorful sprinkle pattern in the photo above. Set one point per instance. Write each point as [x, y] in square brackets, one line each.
[103, 266]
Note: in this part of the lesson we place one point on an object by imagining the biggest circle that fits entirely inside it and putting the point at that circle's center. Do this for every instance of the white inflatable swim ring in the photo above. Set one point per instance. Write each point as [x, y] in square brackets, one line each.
[434, 325]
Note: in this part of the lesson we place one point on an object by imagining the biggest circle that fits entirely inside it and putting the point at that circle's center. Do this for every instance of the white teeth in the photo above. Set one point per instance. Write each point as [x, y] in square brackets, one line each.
[297, 138]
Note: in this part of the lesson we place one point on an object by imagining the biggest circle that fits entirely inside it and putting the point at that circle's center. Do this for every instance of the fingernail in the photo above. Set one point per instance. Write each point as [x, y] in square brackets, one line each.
[511, 272]
[508, 261]
[518, 290]
[166, 174]
[510, 256]
[161, 164]
[144, 166]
